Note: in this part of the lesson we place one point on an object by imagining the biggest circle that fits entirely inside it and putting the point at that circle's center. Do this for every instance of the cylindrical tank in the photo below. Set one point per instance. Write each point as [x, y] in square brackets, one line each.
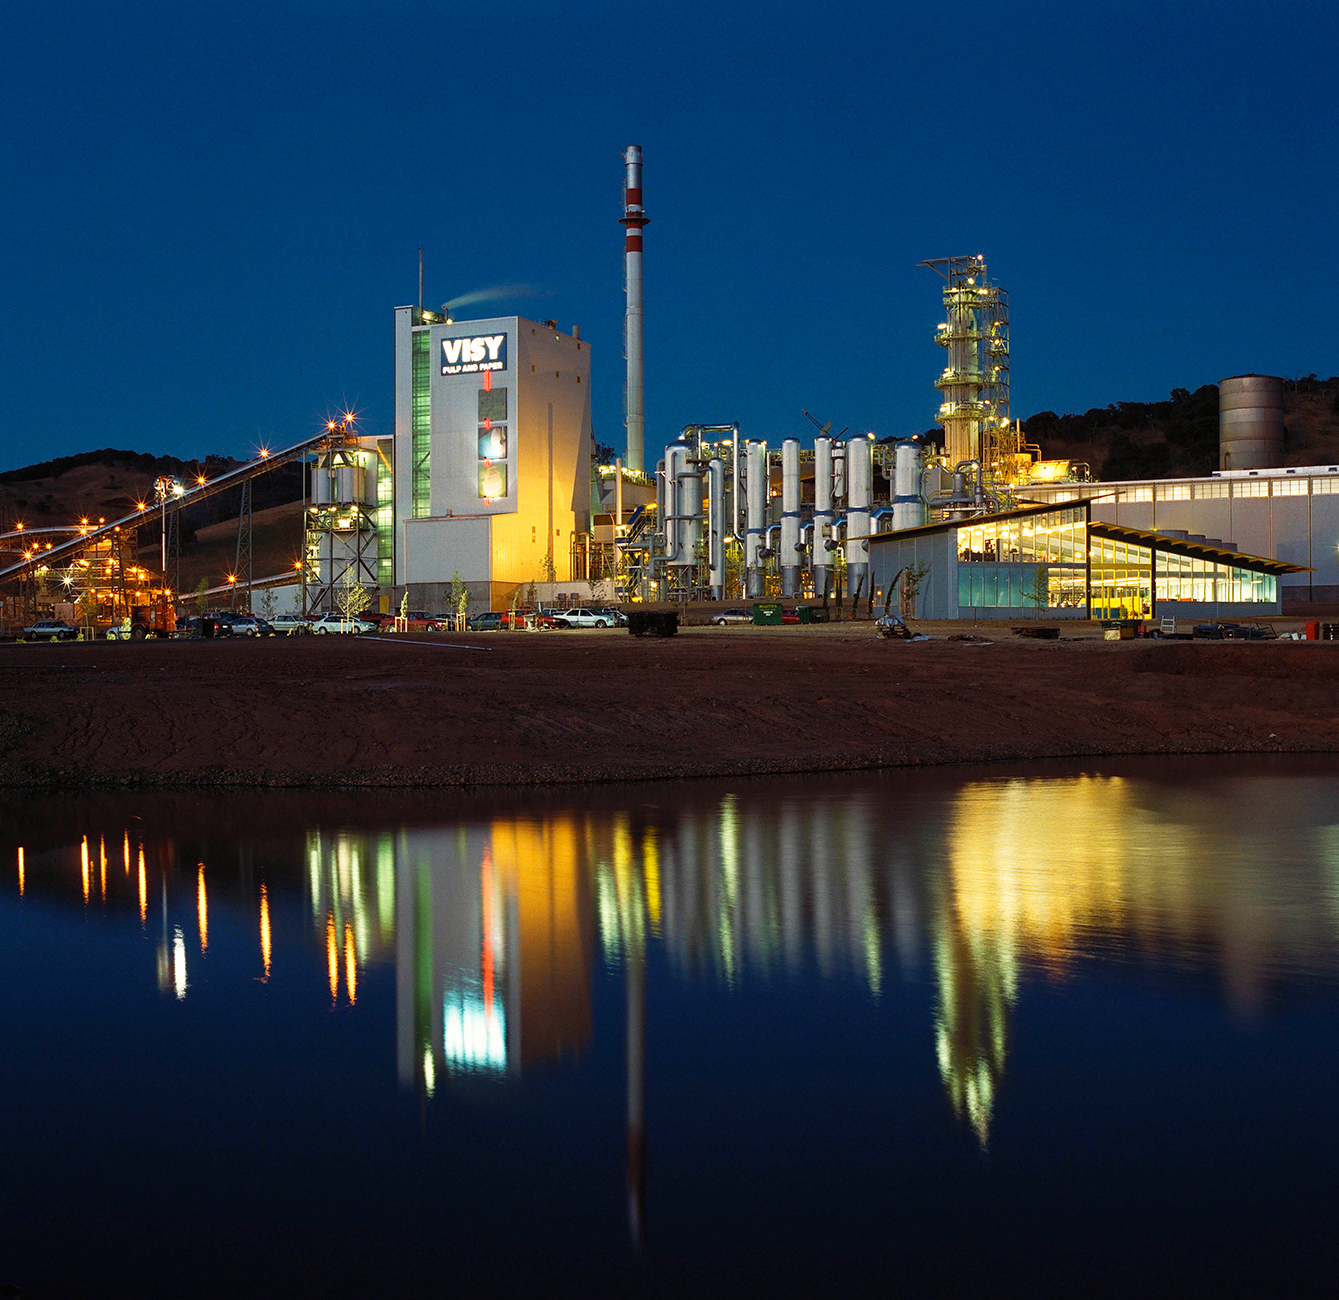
[1250, 422]
[790, 517]
[756, 516]
[320, 484]
[346, 485]
[675, 456]
[908, 506]
[822, 558]
[859, 490]
[716, 526]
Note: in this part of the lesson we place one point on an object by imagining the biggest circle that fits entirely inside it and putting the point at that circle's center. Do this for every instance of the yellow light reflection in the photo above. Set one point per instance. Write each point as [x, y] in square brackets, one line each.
[102, 865]
[350, 964]
[83, 864]
[126, 851]
[20, 871]
[265, 930]
[332, 955]
[651, 870]
[143, 888]
[202, 909]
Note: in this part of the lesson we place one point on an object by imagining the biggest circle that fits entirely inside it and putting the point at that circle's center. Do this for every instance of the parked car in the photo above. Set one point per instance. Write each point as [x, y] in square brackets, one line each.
[616, 617]
[250, 625]
[196, 626]
[50, 629]
[328, 623]
[578, 618]
[488, 621]
[728, 616]
[790, 614]
[291, 624]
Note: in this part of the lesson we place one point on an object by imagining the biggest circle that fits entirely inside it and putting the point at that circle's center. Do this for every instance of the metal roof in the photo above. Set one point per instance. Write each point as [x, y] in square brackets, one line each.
[1112, 532]
[1196, 550]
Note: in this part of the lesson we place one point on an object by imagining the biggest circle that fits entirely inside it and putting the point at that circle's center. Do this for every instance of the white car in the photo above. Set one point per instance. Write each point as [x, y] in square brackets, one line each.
[328, 623]
[579, 618]
[291, 624]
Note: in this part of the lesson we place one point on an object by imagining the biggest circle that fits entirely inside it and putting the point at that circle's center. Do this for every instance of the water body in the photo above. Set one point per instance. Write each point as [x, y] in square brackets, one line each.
[1056, 1030]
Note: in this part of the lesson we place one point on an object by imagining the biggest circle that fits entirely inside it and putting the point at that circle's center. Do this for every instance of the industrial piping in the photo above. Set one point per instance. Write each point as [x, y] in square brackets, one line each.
[634, 218]
[790, 518]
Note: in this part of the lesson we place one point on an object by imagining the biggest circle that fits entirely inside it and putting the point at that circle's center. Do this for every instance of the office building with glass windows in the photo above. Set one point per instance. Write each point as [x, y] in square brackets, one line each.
[1062, 562]
[491, 457]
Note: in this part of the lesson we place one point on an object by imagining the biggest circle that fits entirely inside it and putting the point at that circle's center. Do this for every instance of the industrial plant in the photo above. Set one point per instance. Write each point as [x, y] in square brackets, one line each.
[487, 485]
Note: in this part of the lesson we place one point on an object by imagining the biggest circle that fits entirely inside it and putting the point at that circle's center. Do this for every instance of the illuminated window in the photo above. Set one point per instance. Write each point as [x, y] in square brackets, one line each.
[1325, 486]
[1173, 492]
[1290, 487]
[1251, 487]
[492, 481]
[1210, 491]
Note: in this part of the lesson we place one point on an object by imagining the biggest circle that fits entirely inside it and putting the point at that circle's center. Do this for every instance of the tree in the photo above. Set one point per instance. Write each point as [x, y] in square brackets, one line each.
[1038, 592]
[913, 576]
[350, 597]
[201, 598]
[460, 596]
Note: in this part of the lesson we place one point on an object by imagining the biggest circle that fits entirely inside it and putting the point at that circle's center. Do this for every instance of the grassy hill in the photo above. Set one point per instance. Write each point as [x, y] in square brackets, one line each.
[1178, 438]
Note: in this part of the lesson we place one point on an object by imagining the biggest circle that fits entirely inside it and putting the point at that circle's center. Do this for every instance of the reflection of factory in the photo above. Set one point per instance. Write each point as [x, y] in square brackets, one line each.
[494, 949]
[495, 926]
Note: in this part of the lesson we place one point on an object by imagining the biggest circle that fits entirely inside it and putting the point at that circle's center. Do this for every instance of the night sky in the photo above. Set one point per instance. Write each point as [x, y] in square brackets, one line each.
[210, 210]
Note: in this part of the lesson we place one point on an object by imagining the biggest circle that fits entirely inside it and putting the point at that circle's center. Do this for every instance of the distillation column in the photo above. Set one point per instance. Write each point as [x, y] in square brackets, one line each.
[790, 517]
[755, 521]
[634, 218]
[821, 560]
[859, 488]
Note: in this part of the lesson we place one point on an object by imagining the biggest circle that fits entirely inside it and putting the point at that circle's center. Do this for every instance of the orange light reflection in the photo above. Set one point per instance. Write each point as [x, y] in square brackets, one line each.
[20, 871]
[83, 864]
[202, 909]
[332, 955]
[143, 888]
[265, 929]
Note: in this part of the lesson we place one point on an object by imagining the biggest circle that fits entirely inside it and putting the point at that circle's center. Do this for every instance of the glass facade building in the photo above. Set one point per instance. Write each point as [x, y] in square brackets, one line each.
[1058, 562]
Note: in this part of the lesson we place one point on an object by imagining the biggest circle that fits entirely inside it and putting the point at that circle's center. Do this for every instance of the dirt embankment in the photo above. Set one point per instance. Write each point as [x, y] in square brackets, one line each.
[518, 708]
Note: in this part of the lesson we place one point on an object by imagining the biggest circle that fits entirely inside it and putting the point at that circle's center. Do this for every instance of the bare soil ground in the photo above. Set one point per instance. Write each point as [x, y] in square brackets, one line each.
[535, 708]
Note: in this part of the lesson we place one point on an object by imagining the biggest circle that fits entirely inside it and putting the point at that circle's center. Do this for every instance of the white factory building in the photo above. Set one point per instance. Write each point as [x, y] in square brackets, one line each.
[491, 455]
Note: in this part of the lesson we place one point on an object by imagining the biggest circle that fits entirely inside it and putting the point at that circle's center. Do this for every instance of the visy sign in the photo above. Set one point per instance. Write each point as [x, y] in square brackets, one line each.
[470, 355]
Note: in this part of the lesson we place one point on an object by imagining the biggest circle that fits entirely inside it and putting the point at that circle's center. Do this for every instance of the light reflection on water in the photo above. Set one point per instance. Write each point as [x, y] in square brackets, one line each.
[496, 927]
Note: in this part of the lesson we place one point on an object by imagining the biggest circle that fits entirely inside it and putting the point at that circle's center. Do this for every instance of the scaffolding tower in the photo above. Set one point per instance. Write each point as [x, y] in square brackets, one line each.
[975, 382]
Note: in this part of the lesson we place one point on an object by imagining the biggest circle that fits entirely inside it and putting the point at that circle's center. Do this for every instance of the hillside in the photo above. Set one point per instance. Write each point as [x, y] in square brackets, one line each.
[1178, 438]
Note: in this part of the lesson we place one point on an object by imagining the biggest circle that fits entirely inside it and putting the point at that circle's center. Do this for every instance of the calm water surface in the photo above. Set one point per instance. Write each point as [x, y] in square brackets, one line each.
[1044, 1030]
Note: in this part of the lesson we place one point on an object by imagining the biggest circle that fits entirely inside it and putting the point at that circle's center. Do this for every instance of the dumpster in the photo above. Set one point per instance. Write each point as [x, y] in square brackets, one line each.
[815, 614]
[767, 613]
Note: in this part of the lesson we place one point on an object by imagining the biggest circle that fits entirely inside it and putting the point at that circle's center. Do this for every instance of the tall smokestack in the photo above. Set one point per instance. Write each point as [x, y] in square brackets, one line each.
[633, 219]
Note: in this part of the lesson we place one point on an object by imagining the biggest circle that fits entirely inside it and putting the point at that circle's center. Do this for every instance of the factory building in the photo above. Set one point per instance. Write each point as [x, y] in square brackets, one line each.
[490, 464]
[1063, 562]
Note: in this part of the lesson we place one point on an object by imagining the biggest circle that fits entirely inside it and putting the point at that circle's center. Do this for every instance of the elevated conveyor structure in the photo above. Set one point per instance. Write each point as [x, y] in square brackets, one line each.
[66, 551]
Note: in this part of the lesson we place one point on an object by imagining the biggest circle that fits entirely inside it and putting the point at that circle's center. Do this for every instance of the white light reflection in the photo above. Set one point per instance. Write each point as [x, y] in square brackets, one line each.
[179, 963]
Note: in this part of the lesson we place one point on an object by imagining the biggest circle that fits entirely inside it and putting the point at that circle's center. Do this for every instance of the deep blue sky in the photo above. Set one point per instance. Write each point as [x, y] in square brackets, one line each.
[210, 209]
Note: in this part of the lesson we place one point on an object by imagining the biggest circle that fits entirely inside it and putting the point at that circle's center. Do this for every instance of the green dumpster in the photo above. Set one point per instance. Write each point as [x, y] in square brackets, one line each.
[767, 613]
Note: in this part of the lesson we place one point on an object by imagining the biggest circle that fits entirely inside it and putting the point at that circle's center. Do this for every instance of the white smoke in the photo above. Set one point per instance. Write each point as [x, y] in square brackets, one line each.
[499, 291]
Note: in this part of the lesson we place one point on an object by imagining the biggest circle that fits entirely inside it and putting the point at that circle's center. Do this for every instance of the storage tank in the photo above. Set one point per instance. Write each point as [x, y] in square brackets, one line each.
[1250, 422]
